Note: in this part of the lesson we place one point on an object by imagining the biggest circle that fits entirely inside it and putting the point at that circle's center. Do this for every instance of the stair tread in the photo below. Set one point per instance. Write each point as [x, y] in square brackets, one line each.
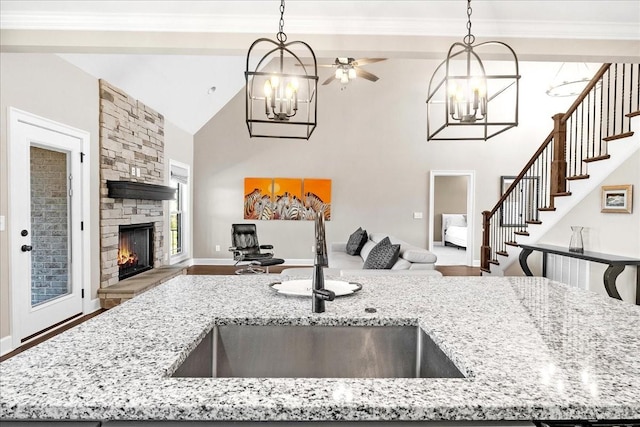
[521, 233]
[618, 136]
[597, 158]
[486, 270]
[562, 194]
[511, 243]
[494, 262]
[576, 177]
[502, 253]
[547, 209]
[533, 221]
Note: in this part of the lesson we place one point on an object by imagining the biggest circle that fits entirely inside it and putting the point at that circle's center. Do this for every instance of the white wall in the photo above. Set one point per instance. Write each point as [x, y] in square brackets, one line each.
[371, 141]
[613, 233]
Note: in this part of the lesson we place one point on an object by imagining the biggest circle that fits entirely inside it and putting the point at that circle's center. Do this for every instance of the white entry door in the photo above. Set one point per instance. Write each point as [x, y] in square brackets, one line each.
[45, 224]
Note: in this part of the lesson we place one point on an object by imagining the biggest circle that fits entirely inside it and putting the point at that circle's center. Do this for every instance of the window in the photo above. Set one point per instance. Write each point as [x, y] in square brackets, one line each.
[178, 211]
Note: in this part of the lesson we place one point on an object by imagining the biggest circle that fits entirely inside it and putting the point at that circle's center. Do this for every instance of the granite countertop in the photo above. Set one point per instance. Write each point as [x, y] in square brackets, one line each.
[529, 348]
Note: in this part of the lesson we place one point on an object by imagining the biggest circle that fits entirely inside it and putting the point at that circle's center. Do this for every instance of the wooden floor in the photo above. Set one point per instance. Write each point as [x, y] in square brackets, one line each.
[454, 270]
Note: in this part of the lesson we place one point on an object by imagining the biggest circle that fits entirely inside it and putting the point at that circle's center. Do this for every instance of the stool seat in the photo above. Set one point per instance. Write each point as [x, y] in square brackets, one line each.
[267, 262]
[255, 267]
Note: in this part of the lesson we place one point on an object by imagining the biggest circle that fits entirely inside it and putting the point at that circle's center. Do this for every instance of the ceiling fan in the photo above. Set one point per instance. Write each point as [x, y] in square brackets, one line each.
[348, 69]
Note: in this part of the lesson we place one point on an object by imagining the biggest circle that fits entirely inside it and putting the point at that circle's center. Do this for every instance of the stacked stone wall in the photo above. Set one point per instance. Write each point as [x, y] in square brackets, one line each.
[131, 149]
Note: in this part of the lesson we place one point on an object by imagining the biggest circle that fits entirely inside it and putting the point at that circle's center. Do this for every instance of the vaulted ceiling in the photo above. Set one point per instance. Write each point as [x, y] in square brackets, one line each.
[169, 53]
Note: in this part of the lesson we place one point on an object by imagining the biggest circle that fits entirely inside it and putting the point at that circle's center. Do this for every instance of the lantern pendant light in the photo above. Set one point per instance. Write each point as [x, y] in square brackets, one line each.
[281, 87]
[471, 99]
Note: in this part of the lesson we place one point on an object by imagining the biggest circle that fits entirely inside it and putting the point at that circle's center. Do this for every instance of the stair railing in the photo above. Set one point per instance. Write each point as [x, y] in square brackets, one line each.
[601, 113]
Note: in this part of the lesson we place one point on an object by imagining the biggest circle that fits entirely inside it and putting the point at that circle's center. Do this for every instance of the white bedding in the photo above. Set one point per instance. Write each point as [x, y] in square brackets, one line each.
[456, 235]
[454, 229]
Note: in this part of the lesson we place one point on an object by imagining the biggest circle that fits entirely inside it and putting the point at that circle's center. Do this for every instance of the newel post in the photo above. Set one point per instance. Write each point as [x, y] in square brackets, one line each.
[559, 161]
[485, 250]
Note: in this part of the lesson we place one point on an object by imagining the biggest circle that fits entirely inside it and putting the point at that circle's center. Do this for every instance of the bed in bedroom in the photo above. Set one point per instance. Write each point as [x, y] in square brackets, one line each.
[454, 230]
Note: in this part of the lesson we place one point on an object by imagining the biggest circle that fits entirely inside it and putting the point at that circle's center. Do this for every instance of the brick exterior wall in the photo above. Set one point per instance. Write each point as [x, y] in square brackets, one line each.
[49, 225]
[131, 135]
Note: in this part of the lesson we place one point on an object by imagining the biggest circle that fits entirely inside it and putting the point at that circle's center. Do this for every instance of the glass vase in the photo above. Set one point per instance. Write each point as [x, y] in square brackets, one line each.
[576, 244]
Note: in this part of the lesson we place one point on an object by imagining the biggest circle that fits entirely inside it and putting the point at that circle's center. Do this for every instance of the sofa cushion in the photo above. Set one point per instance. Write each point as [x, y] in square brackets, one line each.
[356, 241]
[366, 249]
[419, 255]
[383, 255]
[401, 264]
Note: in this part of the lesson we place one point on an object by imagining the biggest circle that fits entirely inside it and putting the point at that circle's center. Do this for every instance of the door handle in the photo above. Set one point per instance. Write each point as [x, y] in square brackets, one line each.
[26, 248]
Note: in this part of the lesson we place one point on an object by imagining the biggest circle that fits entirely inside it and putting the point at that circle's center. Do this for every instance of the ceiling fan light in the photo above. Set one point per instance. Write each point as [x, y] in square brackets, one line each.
[344, 79]
[352, 73]
[339, 73]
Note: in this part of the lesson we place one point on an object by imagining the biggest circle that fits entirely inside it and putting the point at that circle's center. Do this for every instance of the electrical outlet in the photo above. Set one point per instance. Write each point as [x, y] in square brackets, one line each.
[138, 172]
[1, 222]
[417, 215]
[217, 248]
[133, 170]
[313, 249]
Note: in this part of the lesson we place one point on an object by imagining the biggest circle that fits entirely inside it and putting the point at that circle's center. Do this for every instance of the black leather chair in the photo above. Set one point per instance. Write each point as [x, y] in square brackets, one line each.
[246, 248]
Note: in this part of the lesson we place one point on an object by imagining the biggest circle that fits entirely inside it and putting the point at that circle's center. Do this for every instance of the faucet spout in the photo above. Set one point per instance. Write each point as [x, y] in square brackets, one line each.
[318, 293]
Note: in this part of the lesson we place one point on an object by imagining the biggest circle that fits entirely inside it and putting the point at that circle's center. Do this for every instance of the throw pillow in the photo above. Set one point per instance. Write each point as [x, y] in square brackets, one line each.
[383, 255]
[356, 241]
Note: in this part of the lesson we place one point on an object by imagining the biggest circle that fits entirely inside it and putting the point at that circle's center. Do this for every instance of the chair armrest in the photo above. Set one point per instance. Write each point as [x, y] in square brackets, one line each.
[266, 246]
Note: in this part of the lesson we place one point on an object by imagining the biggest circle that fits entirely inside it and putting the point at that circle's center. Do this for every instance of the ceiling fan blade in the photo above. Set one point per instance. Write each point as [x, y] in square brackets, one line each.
[365, 61]
[366, 75]
[329, 80]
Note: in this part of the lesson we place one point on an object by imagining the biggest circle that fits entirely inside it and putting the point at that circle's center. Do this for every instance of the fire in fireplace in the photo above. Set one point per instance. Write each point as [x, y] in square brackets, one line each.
[135, 249]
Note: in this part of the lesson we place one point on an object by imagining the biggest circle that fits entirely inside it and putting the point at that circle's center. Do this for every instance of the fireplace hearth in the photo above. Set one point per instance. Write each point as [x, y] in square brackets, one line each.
[135, 249]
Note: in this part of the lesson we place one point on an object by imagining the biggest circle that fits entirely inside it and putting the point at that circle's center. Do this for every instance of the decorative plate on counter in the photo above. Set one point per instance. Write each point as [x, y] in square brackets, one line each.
[302, 287]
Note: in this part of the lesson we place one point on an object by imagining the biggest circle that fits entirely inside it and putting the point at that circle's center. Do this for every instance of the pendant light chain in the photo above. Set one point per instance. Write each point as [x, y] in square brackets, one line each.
[469, 39]
[281, 36]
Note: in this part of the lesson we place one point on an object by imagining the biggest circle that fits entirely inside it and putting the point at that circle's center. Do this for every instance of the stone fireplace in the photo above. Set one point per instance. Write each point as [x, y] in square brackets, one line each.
[131, 152]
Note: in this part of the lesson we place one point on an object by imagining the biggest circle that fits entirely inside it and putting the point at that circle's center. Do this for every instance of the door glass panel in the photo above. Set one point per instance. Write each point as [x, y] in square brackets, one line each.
[49, 225]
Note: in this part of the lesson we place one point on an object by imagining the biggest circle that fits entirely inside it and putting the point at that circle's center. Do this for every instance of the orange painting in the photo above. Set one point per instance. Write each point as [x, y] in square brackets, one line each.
[317, 196]
[286, 198]
[258, 193]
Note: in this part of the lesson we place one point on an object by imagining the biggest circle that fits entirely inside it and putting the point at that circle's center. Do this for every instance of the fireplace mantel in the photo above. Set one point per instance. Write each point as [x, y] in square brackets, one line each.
[139, 190]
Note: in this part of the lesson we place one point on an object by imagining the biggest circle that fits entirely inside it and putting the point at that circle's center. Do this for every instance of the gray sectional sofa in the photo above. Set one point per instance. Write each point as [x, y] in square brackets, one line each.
[412, 260]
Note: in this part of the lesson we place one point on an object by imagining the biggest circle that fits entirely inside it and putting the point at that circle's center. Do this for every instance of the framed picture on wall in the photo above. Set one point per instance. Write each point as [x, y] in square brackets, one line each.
[617, 198]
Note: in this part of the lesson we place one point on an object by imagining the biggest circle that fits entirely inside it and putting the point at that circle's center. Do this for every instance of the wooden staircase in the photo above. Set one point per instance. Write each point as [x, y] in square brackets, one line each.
[587, 143]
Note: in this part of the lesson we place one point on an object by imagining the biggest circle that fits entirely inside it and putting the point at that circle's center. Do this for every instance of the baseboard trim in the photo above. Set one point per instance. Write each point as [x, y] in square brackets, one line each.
[91, 306]
[6, 345]
[227, 261]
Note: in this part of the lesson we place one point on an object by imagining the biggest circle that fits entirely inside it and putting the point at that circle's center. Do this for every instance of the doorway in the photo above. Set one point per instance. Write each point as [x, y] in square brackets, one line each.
[451, 200]
[47, 218]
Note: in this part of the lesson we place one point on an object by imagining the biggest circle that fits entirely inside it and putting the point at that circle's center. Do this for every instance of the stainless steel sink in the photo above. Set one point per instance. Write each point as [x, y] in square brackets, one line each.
[317, 352]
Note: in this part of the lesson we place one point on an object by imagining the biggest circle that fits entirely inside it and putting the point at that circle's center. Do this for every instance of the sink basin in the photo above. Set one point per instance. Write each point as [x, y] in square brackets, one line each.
[317, 352]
